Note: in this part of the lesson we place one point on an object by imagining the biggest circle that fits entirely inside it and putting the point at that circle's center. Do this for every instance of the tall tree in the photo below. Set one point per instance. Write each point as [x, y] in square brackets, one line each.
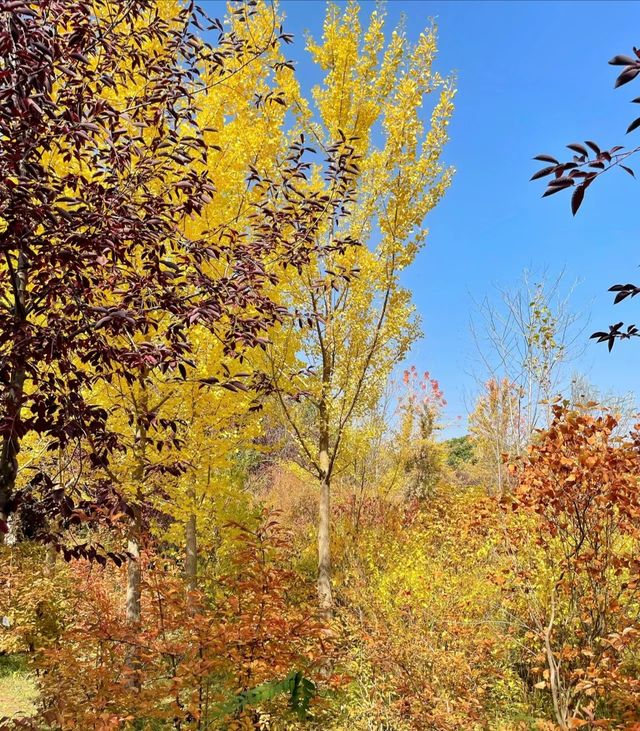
[167, 420]
[96, 120]
[421, 408]
[361, 320]
[499, 432]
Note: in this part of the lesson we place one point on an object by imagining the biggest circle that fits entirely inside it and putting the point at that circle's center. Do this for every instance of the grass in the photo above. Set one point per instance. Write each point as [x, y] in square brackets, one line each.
[17, 689]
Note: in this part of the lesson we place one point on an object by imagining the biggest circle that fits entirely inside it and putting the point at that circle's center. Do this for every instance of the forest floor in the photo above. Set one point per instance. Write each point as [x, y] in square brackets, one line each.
[17, 690]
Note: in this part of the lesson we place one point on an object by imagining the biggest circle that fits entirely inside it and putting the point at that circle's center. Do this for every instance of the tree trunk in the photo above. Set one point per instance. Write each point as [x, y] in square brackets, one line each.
[4, 526]
[133, 601]
[134, 570]
[325, 595]
[134, 581]
[50, 558]
[191, 554]
[10, 447]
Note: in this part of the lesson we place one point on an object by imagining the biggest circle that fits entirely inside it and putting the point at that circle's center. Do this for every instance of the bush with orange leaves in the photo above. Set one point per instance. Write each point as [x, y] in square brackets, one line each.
[193, 660]
[575, 535]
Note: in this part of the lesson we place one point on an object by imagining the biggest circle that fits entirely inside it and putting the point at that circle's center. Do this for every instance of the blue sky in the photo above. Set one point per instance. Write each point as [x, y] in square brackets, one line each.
[531, 77]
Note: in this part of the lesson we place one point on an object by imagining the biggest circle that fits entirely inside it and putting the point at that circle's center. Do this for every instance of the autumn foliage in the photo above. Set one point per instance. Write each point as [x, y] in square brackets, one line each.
[192, 657]
[111, 257]
[225, 502]
[579, 484]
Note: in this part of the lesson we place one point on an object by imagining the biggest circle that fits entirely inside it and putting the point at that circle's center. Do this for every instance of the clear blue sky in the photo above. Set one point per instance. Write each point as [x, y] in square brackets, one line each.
[532, 76]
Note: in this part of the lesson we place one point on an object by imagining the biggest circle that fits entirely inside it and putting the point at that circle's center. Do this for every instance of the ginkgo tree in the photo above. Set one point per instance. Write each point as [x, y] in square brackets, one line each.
[360, 320]
[178, 432]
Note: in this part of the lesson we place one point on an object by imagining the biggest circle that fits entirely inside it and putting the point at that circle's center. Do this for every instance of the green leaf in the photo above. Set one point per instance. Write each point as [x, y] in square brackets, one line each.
[300, 690]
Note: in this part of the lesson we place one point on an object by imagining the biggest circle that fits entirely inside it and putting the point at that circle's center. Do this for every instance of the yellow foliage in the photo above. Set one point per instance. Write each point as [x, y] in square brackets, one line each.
[362, 322]
[434, 644]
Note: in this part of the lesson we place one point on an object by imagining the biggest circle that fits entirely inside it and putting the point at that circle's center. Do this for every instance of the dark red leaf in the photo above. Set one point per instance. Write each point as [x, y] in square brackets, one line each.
[629, 74]
[580, 149]
[556, 189]
[543, 173]
[546, 158]
[593, 146]
[577, 198]
[634, 125]
[622, 61]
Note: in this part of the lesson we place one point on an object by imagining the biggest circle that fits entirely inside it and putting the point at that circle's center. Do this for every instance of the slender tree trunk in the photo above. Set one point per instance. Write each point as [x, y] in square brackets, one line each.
[325, 595]
[191, 553]
[133, 602]
[19, 276]
[134, 570]
[133, 605]
[559, 695]
[50, 559]
[134, 581]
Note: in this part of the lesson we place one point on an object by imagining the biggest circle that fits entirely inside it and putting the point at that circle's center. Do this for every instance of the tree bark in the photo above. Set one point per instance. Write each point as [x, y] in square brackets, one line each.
[10, 446]
[133, 602]
[191, 554]
[134, 570]
[325, 594]
[19, 275]
[134, 581]
[50, 559]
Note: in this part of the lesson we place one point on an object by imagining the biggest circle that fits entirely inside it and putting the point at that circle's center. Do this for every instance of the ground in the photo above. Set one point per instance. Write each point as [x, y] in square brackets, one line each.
[17, 690]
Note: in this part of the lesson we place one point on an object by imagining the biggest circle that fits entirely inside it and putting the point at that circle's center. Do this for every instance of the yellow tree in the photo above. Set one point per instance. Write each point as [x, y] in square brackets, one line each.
[180, 441]
[177, 288]
[245, 113]
[360, 320]
[421, 408]
[180, 432]
[500, 432]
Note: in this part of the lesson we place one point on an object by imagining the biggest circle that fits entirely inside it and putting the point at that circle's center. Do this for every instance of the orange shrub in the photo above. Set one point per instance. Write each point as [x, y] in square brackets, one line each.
[576, 544]
[190, 657]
